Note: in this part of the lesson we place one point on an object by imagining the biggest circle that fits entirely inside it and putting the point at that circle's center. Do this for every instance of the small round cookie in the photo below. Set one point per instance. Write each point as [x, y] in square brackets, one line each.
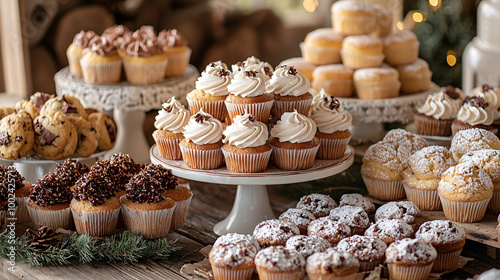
[66, 104]
[357, 200]
[13, 137]
[52, 134]
[473, 139]
[299, 217]
[353, 17]
[322, 46]
[274, 232]
[5, 111]
[307, 245]
[106, 129]
[390, 230]
[413, 141]
[277, 262]
[303, 66]
[39, 99]
[362, 51]
[335, 79]
[415, 77]
[30, 132]
[28, 106]
[355, 217]
[237, 238]
[410, 259]
[401, 210]
[368, 250]
[383, 21]
[319, 205]
[401, 47]
[87, 137]
[376, 83]
[329, 229]
[332, 264]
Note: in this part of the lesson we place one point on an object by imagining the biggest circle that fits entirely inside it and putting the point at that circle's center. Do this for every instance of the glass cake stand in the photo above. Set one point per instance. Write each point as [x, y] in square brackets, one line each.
[251, 204]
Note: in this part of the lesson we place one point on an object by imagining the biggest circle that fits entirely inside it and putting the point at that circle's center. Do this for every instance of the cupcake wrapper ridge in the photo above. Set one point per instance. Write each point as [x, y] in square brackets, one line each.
[96, 224]
[49, 218]
[385, 190]
[464, 212]
[425, 200]
[148, 73]
[246, 163]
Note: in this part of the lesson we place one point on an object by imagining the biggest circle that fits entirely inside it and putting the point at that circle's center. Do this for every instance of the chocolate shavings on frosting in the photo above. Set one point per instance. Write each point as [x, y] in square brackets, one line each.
[451, 92]
[334, 103]
[250, 73]
[486, 87]
[70, 171]
[144, 189]
[50, 190]
[475, 101]
[9, 176]
[200, 118]
[93, 187]
[162, 175]
[292, 71]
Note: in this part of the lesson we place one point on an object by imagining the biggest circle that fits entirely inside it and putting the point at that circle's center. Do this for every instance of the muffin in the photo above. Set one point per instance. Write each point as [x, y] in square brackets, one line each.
[201, 146]
[383, 21]
[319, 205]
[415, 77]
[299, 217]
[437, 113]
[169, 124]
[448, 238]
[403, 137]
[274, 232]
[334, 79]
[406, 211]
[144, 61]
[410, 259]
[237, 238]
[489, 161]
[353, 17]
[367, 249]
[322, 46]
[293, 142]
[376, 83]
[332, 264]
[290, 91]
[471, 140]
[362, 51]
[234, 261]
[421, 178]
[211, 91]
[390, 230]
[290, 267]
[101, 63]
[333, 124]
[303, 66]
[401, 47]
[465, 191]
[307, 245]
[355, 217]
[328, 229]
[357, 200]
[182, 197]
[75, 50]
[245, 145]
[254, 64]
[178, 53]
[474, 113]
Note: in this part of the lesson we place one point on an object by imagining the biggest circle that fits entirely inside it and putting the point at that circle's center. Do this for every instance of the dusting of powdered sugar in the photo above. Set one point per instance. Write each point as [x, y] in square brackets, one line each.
[365, 248]
[329, 229]
[362, 40]
[233, 255]
[465, 178]
[352, 6]
[410, 252]
[307, 245]
[431, 161]
[400, 37]
[389, 230]
[278, 258]
[332, 260]
[298, 217]
[474, 139]
[488, 160]
[274, 231]
[318, 204]
[400, 210]
[351, 215]
[440, 232]
[388, 154]
[404, 137]
[358, 200]
[237, 238]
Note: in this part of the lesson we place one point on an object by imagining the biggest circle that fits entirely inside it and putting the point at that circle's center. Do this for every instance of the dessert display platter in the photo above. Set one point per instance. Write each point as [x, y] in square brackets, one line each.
[251, 205]
[128, 103]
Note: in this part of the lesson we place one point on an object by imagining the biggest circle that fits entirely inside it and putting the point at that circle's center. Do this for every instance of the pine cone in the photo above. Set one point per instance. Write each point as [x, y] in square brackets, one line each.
[42, 238]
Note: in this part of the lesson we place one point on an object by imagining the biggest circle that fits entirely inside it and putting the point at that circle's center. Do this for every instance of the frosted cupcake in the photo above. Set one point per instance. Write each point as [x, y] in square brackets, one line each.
[245, 145]
[410, 259]
[169, 124]
[255, 64]
[474, 113]
[294, 142]
[489, 93]
[144, 61]
[436, 115]
[333, 124]
[177, 51]
[75, 51]
[211, 91]
[101, 63]
[201, 146]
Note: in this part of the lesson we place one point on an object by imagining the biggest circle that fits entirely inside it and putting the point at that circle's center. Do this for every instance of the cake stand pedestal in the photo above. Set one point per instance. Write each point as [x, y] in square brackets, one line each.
[251, 204]
[128, 103]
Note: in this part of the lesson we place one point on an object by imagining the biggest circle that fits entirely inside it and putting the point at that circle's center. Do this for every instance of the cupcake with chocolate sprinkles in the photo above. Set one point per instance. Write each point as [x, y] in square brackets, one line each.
[9, 177]
[95, 206]
[145, 209]
[70, 171]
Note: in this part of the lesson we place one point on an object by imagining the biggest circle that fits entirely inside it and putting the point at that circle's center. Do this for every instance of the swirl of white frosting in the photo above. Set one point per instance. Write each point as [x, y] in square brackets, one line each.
[214, 79]
[492, 95]
[207, 130]
[244, 133]
[439, 106]
[255, 64]
[476, 115]
[329, 120]
[247, 83]
[286, 81]
[172, 117]
[295, 128]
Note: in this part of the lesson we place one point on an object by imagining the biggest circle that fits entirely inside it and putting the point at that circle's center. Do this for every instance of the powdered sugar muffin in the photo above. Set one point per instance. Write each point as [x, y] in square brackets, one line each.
[334, 79]
[362, 51]
[421, 178]
[383, 21]
[413, 141]
[376, 83]
[473, 139]
[280, 263]
[237, 238]
[489, 161]
[410, 259]
[319, 205]
[355, 217]
[322, 46]
[274, 232]
[332, 264]
[233, 261]
[353, 17]
[401, 210]
[367, 249]
[415, 77]
[465, 191]
[401, 47]
[448, 238]
[357, 200]
[328, 229]
[390, 230]
[299, 217]
[307, 245]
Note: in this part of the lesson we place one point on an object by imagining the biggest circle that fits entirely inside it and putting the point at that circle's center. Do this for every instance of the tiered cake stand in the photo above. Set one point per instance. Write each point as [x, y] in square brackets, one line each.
[128, 103]
[251, 204]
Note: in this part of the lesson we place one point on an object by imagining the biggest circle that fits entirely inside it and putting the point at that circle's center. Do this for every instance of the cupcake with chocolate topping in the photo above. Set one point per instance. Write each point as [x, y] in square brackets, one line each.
[436, 115]
[169, 124]
[474, 113]
[115, 34]
[101, 63]
[178, 53]
[489, 93]
[75, 50]
[254, 64]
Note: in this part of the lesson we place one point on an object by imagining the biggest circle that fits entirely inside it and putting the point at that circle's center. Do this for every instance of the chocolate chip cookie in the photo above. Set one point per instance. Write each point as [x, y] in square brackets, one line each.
[52, 134]
[87, 137]
[28, 106]
[106, 128]
[69, 105]
[5, 111]
[15, 141]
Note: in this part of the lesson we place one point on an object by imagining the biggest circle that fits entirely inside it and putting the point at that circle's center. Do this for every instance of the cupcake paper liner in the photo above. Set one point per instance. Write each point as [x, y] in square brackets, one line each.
[425, 200]
[280, 275]
[337, 88]
[152, 224]
[332, 148]
[320, 55]
[180, 213]
[215, 108]
[358, 61]
[177, 63]
[74, 64]
[102, 73]
[464, 212]
[409, 272]
[368, 266]
[168, 148]
[147, 73]
[202, 159]
[261, 111]
[96, 223]
[415, 83]
[246, 163]
[221, 273]
[51, 218]
[332, 276]
[392, 190]
[426, 126]
[22, 214]
[352, 25]
[447, 261]
[294, 159]
[494, 205]
[280, 107]
[377, 89]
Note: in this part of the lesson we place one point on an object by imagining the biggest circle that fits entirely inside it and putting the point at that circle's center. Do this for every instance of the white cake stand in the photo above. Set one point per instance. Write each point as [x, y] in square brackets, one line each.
[128, 103]
[251, 204]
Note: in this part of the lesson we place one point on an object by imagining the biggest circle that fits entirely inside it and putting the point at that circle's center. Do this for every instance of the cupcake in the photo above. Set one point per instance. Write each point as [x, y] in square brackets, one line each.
[299, 217]
[274, 232]
[115, 33]
[322, 46]
[406, 211]
[247, 93]
[436, 115]
[254, 64]
[237, 238]
[334, 79]
[367, 249]
[353, 17]
[415, 77]
[303, 66]
[412, 141]
[101, 63]
[13, 183]
[421, 178]
[489, 93]
[211, 91]
[474, 113]
[182, 197]
[178, 53]
[245, 145]
[355, 217]
[291, 91]
[357, 200]
[333, 124]
[293, 141]
[332, 265]
[201, 146]
[448, 238]
[471, 140]
[319, 205]
[75, 50]
[390, 230]
[234, 261]
[328, 229]
[307, 245]
[383, 21]
[169, 124]
[362, 51]
[144, 61]
[410, 259]
[376, 83]
[401, 47]
[290, 265]
[465, 191]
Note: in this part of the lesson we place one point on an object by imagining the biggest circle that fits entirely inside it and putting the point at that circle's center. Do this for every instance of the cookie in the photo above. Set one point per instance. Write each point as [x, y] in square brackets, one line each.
[29, 107]
[52, 133]
[87, 137]
[66, 104]
[39, 99]
[70, 146]
[5, 111]
[30, 132]
[14, 139]
[106, 128]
